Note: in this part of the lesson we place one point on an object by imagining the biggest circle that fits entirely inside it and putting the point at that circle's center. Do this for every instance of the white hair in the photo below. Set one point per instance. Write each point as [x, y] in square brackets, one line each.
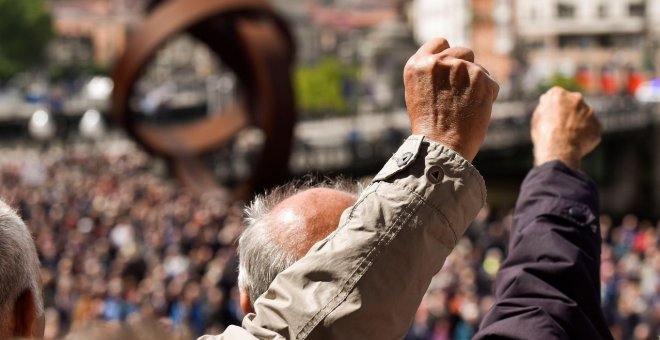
[19, 263]
[260, 258]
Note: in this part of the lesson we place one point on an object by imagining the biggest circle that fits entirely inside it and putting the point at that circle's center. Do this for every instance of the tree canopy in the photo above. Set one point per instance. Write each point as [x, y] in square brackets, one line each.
[25, 30]
[322, 88]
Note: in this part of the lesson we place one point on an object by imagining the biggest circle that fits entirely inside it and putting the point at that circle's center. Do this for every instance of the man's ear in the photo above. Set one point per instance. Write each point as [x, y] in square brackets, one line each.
[245, 302]
[26, 323]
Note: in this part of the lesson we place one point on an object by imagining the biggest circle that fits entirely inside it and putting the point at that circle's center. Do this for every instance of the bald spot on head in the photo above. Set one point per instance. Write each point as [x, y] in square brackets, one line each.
[306, 218]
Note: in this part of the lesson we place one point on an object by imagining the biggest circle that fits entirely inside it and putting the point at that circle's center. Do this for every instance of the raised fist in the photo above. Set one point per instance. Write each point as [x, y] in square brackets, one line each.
[449, 97]
[563, 128]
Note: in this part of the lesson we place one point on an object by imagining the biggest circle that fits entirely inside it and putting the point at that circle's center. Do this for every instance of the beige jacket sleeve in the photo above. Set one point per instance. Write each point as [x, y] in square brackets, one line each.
[366, 280]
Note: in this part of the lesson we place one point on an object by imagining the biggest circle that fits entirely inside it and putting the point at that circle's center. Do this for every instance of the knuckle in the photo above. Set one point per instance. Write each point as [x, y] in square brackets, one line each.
[470, 53]
[441, 41]
[591, 112]
[577, 96]
[474, 68]
[599, 126]
[408, 72]
[441, 64]
[461, 50]
[416, 66]
[459, 64]
[496, 89]
[479, 74]
[434, 68]
[411, 63]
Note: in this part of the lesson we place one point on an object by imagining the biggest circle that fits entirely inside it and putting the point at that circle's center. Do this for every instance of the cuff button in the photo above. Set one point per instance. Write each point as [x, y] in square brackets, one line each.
[404, 159]
[435, 174]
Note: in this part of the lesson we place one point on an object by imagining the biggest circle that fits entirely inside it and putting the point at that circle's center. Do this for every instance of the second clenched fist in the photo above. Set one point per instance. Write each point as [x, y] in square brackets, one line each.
[449, 97]
[563, 128]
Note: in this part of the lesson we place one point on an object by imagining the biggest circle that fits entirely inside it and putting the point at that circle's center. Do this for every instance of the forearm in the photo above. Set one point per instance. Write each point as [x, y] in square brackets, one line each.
[375, 268]
[549, 286]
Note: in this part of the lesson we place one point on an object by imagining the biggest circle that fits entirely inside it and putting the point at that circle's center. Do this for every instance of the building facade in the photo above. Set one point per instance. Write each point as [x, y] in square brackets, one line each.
[486, 26]
[92, 31]
[602, 43]
[442, 18]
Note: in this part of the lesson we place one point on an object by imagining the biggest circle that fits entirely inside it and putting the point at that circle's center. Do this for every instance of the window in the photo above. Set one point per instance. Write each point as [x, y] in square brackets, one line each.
[577, 41]
[605, 41]
[602, 11]
[565, 11]
[534, 44]
[636, 10]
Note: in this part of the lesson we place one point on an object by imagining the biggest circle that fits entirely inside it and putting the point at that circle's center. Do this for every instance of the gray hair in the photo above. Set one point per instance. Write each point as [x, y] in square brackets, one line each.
[261, 259]
[19, 263]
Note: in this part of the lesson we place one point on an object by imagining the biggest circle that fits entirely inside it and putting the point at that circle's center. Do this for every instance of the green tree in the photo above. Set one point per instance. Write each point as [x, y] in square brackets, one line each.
[558, 79]
[25, 29]
[319, 88]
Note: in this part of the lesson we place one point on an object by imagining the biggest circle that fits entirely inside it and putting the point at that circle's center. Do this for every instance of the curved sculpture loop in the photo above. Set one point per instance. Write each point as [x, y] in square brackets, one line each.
[255, 43]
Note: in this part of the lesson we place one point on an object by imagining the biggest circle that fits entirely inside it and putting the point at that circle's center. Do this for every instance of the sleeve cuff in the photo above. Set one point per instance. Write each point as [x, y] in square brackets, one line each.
[440, 176]
[564, 192]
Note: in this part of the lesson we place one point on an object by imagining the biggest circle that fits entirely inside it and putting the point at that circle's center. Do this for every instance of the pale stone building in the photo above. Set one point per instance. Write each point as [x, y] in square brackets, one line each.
[92, 31]
[592, 37]
[486, 26]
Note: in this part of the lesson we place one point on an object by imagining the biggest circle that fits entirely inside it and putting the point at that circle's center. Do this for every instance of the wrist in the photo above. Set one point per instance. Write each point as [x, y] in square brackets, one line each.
[452, 143]
[569, 157]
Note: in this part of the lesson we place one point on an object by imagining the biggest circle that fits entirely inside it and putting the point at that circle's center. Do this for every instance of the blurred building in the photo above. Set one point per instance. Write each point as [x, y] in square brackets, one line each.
[384, 54]
[369, 35]
[442, 18]
[91, 31]
[600, 42]
[492, 38]
[486, 26]
[333, 27]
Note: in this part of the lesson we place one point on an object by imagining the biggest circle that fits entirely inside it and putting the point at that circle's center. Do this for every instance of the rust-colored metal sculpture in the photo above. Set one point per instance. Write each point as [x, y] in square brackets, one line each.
[255, 43]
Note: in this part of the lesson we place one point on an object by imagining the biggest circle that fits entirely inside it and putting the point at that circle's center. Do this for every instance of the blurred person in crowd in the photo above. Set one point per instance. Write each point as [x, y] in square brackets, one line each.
[104, 222]
[141, 330]
[21, 309]
[368, 277]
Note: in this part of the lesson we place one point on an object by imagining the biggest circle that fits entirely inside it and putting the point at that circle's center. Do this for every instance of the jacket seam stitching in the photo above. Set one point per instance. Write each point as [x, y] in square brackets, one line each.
[362, 267]
[430, 204]
[369, 191]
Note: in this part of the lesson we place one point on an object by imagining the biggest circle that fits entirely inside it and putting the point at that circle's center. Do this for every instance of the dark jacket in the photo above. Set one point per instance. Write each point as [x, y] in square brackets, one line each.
[549, 285]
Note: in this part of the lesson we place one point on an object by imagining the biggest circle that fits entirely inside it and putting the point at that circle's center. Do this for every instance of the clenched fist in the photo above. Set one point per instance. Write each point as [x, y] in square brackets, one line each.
[449, 97]
[563, 128]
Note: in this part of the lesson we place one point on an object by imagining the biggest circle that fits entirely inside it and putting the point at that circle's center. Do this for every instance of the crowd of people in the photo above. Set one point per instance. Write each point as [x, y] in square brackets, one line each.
[120, 242]
[463, 290]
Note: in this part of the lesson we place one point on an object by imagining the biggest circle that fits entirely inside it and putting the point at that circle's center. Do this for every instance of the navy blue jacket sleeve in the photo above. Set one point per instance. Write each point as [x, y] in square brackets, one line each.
[549, 285]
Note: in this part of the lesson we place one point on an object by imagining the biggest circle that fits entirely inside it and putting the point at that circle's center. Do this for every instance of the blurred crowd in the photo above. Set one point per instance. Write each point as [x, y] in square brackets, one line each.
[463, 291]
[120, 242]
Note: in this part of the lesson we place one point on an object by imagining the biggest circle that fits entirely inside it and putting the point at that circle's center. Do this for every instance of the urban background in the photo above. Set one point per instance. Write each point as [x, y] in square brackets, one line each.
[121, 241]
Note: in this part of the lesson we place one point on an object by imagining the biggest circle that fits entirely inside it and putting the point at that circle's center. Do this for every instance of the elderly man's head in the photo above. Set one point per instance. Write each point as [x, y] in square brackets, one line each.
[21, 307]
[282, 226]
